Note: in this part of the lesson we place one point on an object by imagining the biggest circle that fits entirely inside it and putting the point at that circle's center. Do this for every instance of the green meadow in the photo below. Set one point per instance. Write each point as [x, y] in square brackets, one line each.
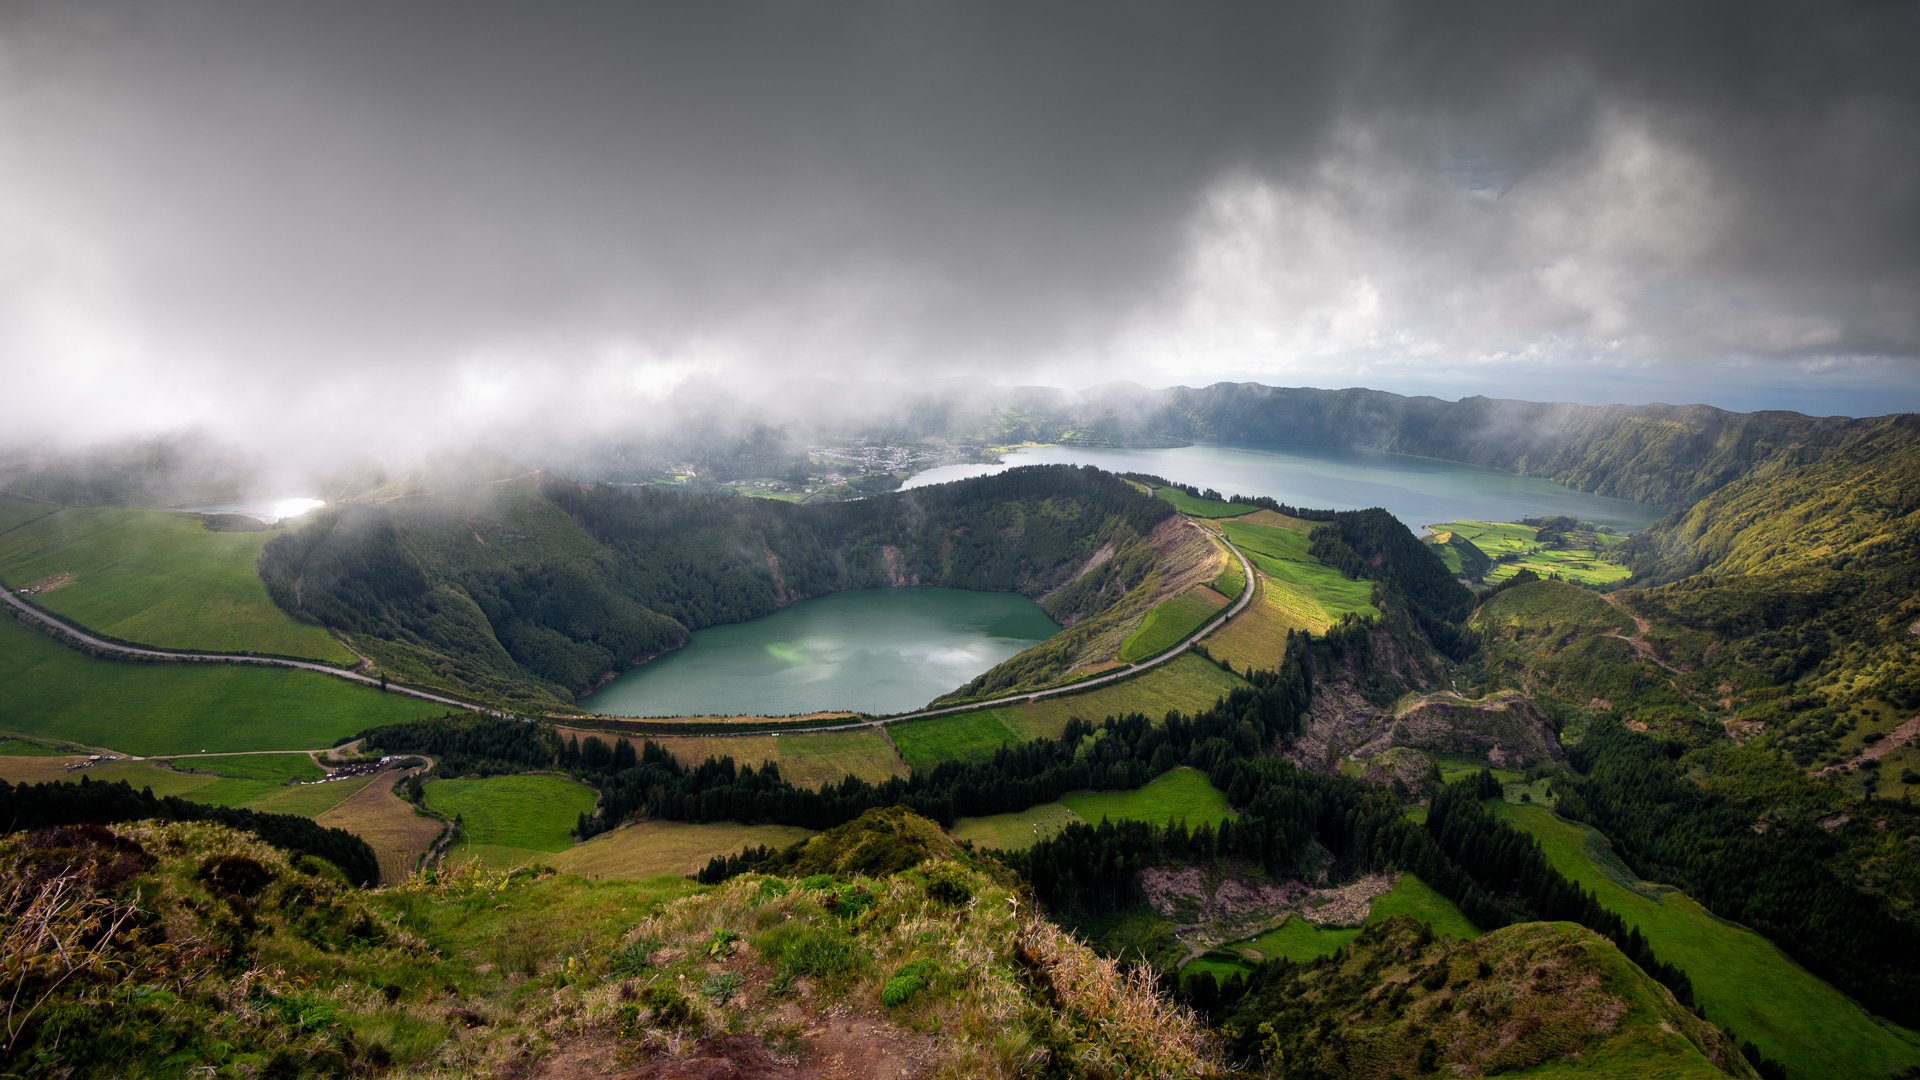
[50, 691]
[1740, 978]
[1170, 622]
[1586, 566]
[1194, 506]
[158, 577]
[1187, 683]
[1283, 554]
[1181, 794]
[509, 820]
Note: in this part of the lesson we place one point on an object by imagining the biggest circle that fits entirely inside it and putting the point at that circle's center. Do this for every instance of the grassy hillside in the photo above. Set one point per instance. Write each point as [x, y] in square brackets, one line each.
[1171, 622]
[158, 578]
[1543, 999]
[1181, 794]
[1281, 554]
[1187, 683]
[648, 849]
[1302, 942]
[1739, 977]
[808, 759]
[53, 691]
[1581, 555]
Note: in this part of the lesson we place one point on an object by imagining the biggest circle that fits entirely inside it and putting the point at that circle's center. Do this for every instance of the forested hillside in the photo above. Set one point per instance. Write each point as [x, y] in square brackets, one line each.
[536, 591]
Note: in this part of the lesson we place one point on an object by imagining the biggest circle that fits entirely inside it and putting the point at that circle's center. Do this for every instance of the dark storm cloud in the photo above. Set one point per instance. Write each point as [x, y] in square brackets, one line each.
[422, 218]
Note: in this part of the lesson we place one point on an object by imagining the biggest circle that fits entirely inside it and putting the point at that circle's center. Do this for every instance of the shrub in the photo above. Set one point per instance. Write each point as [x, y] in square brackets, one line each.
[908, 981]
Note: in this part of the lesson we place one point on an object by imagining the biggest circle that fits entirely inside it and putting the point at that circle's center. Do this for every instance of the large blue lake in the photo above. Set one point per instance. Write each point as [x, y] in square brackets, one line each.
[1418, 491]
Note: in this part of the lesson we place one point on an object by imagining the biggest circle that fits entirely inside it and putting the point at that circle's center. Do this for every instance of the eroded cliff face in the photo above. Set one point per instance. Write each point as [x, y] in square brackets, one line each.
[1506, 728]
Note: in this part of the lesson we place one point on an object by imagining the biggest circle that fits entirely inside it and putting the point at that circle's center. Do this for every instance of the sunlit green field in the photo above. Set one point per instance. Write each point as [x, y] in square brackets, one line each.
[1193, 506]
[1282, 554]
[1497, 538]
[1187, 683]
[158, 577]
[1181, 794]
[1170, 622]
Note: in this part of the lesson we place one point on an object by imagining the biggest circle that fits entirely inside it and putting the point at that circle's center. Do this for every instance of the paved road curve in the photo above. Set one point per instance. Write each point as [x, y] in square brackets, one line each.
[181, 656]
[187, 657]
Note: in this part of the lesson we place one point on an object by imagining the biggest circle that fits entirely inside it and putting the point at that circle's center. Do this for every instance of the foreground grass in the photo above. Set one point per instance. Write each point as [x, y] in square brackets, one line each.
[1171, 622]
[509, 820]
[54, 692]
[1186, 683]
[1740, 978]
[161, 578]
[1181, 794]
[648, 849]
[1282, 554]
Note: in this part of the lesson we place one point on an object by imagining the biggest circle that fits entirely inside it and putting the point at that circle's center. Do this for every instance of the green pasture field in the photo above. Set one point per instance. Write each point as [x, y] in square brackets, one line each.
[159, 577]
[51, 691]
[252, 781]
[1302, 942]
[647, 849]
[1178, 794]
[243, 779]
[509, 820]
[1193, 506]
[1016, 831]
[1282, 554]
[1498, 538]
[1186, 683]
[1231, 579]
[17, 512]
[16, 747]
[1170, 622]
[1739, 977]
[1175, 795]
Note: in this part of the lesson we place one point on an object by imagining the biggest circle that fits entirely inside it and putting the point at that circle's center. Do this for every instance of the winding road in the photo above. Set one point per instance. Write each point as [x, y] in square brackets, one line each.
[184, 656]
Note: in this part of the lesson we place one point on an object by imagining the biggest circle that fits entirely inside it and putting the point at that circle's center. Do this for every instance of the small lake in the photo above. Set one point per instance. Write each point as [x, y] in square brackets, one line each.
[1418, 491]
[867, 650]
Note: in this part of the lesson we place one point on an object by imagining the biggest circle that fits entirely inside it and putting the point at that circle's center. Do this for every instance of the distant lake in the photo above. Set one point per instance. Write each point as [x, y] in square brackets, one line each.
[868, 650]
[1418, 491]
[265, 511]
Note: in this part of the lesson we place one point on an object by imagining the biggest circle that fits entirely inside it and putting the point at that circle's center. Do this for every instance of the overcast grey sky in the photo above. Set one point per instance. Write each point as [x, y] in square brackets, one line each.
[316, 221]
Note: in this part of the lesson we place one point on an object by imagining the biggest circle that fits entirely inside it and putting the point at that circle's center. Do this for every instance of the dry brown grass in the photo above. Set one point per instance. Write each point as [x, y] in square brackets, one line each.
[398, 834]
[809, 759]
[647, 849]
[1255, 637]
[1278, 521]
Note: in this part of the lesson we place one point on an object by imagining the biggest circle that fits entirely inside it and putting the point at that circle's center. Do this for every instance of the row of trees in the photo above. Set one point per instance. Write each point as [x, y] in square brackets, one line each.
[27, 807]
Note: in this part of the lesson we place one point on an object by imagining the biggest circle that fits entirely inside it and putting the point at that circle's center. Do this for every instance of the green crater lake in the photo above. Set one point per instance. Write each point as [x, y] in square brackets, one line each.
[867, 650]
[1419, 491]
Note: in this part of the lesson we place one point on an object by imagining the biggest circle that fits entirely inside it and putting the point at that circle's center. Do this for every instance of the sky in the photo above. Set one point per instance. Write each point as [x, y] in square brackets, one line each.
[379, 223]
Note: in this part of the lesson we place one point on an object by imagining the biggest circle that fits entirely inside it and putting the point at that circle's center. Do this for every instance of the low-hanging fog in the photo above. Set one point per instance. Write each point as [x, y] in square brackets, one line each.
[360, 228]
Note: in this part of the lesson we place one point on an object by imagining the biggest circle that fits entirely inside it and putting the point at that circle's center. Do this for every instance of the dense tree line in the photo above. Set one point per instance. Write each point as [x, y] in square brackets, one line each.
[45, 806]
[1119, 752]
[1374, 545]
[1780, 879]
[559, 585]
